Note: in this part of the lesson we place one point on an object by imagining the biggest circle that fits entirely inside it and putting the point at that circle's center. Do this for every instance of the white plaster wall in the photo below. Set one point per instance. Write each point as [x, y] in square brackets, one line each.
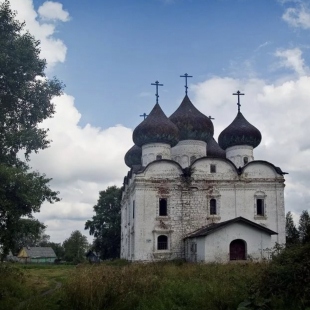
[217, 243]
[186, 149]
[151, 150]
[237, 154]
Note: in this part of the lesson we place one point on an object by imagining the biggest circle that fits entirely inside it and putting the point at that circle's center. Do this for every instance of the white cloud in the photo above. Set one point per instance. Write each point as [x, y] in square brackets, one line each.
[50, 10]
[52, 49]
[298, 17]
[82, 161]
[292, 59]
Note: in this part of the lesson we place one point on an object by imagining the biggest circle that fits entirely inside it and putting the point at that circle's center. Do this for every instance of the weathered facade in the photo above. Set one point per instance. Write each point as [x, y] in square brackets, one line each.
[182, 181]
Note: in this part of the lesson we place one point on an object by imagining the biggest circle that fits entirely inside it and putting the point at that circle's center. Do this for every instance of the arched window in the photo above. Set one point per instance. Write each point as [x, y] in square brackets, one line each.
[213, 206]
[237, 250]
[158, 157]
[245, 160]
[163, 207]
[162, 242]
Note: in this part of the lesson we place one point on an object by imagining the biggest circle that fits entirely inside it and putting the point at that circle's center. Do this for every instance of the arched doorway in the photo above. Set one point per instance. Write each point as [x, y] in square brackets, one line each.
[237, 250]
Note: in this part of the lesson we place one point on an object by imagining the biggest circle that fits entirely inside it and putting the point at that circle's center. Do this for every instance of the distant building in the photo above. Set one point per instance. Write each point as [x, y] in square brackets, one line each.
[92, 257]
[38, 255]
[187, 196]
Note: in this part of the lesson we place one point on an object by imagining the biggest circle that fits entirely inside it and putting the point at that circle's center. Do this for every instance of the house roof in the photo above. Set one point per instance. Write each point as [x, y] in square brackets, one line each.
[209, 229]
[36, 252]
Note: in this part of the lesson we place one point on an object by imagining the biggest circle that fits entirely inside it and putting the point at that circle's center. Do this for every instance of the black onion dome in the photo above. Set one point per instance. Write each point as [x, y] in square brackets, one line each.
[192, 124]
[133, 156]
[156, 128]
[239, 132]
[214, 150]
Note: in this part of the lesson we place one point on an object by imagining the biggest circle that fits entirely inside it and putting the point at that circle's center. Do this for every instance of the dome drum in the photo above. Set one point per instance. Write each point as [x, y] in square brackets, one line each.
[155, 151]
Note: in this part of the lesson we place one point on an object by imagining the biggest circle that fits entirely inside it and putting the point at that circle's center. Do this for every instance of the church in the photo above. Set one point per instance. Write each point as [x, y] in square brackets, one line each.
[188, 196]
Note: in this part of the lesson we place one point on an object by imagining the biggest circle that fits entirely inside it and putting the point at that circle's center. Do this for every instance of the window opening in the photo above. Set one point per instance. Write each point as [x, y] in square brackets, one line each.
[213, 168]
[133, 209]
[162, 242]
[162, 207]
[193, 158]
[260, 206]
[158, 157]
[213, 206]
[245, 160]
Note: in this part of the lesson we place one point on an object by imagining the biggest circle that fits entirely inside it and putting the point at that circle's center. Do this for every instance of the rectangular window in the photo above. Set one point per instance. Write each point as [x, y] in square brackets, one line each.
[133, 209]
[163, 207]
[260, 206]
[213, 168]
[212, 206]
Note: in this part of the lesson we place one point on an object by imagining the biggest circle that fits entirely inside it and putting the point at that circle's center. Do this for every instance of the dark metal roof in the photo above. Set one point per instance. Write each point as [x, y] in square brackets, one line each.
[156, 128]
[192, 124]
[239, 132]
[133, 156]
[37, 252]
[214, 150]
[209, 229]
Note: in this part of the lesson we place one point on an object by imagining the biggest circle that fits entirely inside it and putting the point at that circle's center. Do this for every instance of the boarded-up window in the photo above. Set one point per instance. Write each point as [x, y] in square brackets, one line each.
[260, 207]
[163, 207]
[213, 206]
[162, 242]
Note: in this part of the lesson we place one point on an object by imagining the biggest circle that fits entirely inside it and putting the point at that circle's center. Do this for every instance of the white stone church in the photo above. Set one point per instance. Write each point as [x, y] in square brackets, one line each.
[188, 197]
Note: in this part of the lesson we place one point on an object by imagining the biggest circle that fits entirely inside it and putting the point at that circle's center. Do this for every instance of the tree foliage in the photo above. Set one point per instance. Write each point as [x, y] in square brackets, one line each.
[304, 227]
[105, 225]
[75, 247]
[292, 234]
[25, 101]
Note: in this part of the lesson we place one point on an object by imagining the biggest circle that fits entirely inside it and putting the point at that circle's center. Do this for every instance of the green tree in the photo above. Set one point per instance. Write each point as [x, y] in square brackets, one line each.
[25, 101]
[58, 249]
[105, 226]
[292, 234]
[75, 247]
[304, 227]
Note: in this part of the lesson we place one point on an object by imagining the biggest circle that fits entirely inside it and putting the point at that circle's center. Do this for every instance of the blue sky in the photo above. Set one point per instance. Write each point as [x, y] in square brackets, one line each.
[109, 52]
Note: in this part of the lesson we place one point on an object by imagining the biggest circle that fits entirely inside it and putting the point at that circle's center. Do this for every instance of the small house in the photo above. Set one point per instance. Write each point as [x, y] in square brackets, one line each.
[39, 255]
[92, 257]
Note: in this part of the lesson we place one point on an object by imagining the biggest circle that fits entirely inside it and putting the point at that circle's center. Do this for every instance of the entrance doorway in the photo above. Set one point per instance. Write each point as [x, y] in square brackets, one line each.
[237, 250]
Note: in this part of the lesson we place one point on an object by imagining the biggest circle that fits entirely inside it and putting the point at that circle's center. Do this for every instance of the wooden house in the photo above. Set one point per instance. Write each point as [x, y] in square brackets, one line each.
[39, 255]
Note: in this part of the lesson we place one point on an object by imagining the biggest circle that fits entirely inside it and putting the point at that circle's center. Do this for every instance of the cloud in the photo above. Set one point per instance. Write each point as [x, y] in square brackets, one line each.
[292, 59]
[298, 17]
[82, 161]
[52, 49]
[53, 11]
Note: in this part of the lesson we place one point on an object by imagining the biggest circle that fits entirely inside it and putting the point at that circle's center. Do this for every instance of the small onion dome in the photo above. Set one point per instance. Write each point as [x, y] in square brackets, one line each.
[192, 124]
[214, 150]
[156, 128]
[133, 156]
[239, 132]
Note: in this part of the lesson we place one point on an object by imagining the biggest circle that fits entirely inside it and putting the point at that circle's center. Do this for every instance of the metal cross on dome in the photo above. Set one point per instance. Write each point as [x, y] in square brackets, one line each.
[186, 76]
[144, 115]
[238, 93]
[157, 84]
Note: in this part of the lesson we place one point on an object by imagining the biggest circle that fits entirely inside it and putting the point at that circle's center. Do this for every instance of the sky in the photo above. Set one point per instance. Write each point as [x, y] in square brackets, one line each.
[108, 52]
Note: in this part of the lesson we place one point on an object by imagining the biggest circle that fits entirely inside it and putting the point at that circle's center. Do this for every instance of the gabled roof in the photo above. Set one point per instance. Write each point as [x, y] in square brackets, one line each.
[209, 229]
[36, 252]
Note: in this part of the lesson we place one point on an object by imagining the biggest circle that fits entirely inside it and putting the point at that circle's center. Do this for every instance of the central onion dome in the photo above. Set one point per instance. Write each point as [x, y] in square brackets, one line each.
[214, 150]
[133, 156]
[192, 124]
[239, 132]
[156, 128]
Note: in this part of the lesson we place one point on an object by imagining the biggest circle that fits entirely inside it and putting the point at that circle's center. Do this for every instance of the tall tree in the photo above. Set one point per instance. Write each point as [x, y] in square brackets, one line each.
[105, 226]
[25, 101]
[304, 226]
[75, 247]
[292, 234]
